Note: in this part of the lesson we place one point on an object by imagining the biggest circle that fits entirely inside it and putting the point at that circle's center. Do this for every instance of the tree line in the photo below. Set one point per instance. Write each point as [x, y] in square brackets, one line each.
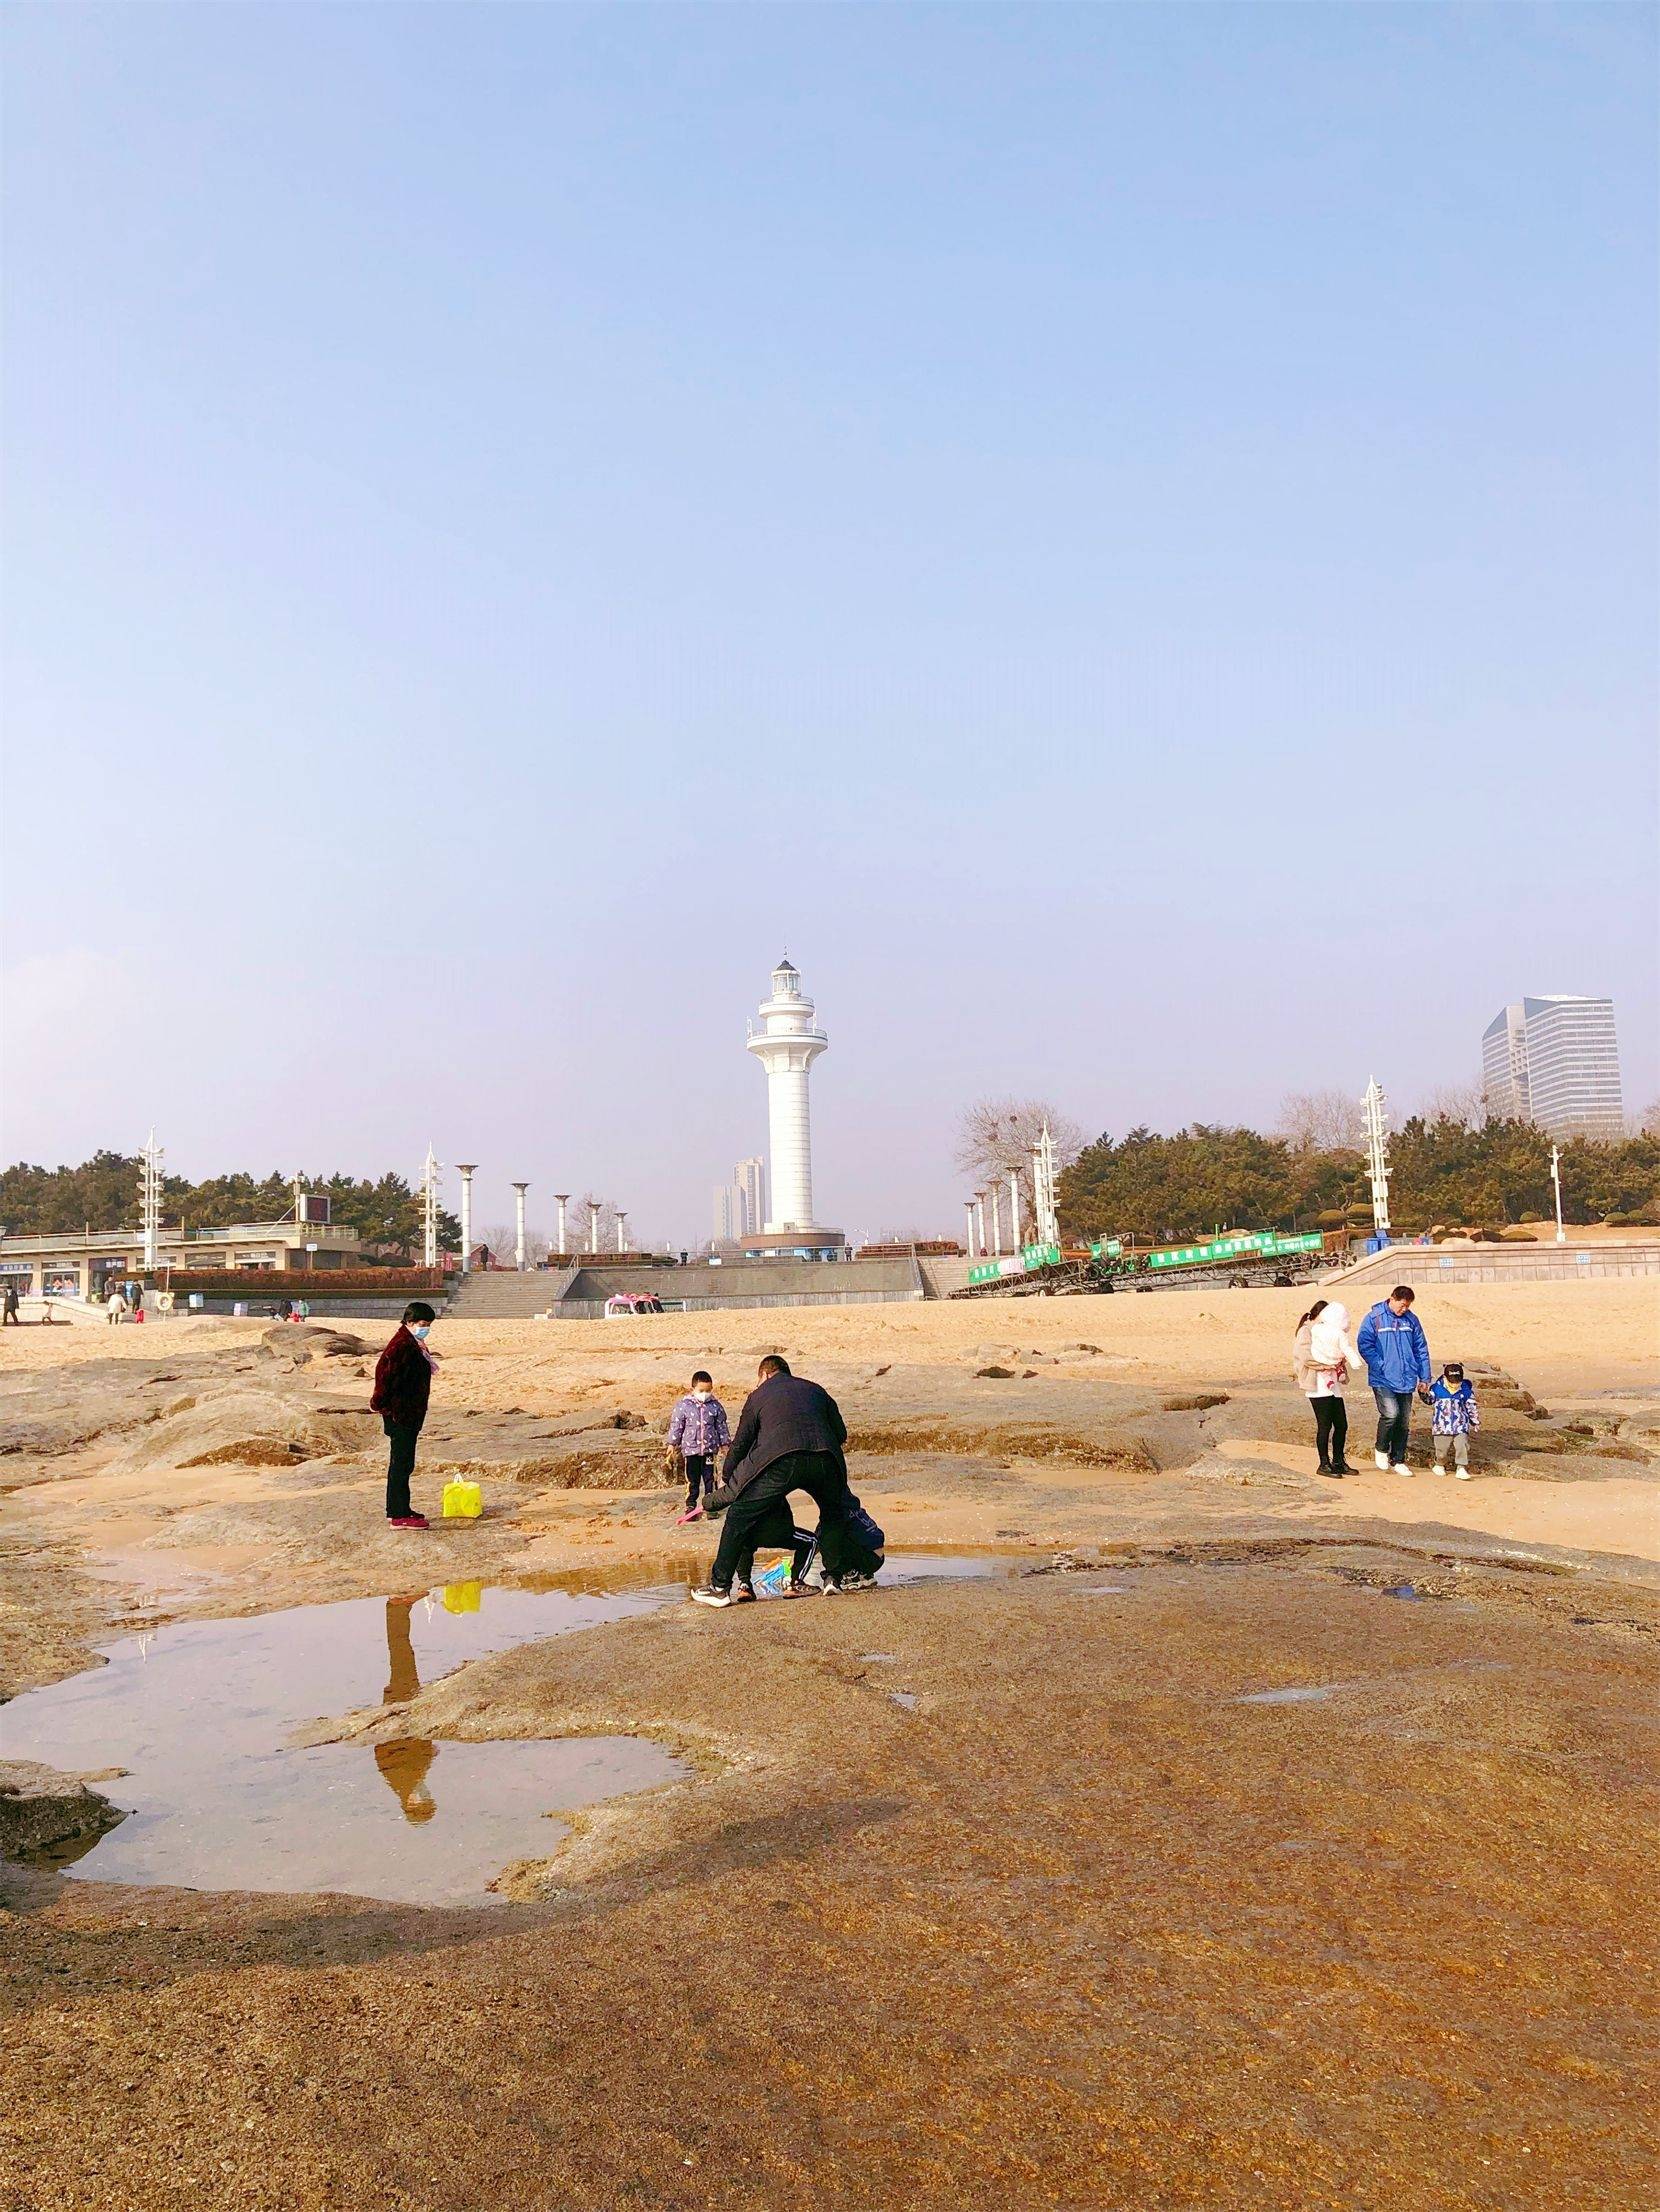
[102, 1193]
[1443, 1170]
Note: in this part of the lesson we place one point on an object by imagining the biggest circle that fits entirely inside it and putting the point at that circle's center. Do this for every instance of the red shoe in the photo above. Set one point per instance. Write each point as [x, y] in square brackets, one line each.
[410, 1520]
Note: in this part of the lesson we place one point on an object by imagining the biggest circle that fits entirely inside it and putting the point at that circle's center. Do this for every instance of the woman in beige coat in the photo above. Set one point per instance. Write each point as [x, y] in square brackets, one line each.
[1323, 1361]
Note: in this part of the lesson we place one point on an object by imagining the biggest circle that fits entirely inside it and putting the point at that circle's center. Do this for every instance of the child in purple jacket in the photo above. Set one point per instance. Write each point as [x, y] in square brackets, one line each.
[699, 1431]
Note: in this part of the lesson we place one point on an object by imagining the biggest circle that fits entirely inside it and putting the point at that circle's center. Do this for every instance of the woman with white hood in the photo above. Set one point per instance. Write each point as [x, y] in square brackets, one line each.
[1325, 1358]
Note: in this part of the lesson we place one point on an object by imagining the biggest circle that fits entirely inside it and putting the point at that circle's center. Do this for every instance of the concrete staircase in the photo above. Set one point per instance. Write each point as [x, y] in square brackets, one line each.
[491, 1295]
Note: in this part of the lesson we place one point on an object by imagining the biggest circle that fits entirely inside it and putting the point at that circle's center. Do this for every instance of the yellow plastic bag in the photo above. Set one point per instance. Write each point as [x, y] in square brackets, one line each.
[463, 1597]
[463, 1500]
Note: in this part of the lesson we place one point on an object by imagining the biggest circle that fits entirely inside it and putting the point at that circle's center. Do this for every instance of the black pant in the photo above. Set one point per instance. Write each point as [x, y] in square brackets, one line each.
[700, 1476]
[400, 1465]
[1331, 1429]
[776, 1531]
[824, 1479]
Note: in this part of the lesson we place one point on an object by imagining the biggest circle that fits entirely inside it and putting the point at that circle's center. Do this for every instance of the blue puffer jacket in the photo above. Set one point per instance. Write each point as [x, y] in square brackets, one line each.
[1394, 1347]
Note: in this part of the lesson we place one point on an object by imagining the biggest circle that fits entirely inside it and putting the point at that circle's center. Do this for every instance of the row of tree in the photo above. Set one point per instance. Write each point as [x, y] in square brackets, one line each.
[102, 1193]
[1442, 1169]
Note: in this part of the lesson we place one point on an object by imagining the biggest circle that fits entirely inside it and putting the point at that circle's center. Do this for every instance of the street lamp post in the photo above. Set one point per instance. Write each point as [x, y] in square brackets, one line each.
[968, 1232]
[560, 1197]
[1556, 1185]
[519, 1226]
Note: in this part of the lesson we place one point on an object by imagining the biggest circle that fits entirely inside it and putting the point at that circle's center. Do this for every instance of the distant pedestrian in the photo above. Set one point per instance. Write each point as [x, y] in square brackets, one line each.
[1325, 1359]
[11, 1319]
[1396, 1352]
[403, 1385]
[115, 1306]
[1454, 1418]
[699, 1431]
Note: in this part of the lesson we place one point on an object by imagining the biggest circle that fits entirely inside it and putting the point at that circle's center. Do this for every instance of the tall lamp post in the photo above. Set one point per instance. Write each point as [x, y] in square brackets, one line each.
[968, 1231]
[561, 1196]
[519, 1190]
[1014, 1211]
[1556, 1185]
[465, 1169]
[622, 1232]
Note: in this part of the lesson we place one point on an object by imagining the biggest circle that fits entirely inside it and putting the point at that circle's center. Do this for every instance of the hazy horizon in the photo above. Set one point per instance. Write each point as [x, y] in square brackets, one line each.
[1122, 538]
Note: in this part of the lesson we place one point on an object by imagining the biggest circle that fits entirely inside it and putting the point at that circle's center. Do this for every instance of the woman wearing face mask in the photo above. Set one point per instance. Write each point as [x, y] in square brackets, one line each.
[403, 1384]
[1324, 1361]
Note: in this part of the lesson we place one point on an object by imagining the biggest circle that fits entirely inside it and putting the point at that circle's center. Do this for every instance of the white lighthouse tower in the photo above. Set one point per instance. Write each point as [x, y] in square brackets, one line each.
[787, 1043]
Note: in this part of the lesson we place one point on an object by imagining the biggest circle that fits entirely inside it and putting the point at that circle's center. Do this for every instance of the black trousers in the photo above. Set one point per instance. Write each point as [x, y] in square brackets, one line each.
[823, 1478]
[1331, 1429]
[775, 1532]
[400, 1465]
[700, 1476]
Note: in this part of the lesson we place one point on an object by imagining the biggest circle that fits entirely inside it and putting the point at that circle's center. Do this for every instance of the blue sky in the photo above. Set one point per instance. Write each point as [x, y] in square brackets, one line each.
[1123, 536]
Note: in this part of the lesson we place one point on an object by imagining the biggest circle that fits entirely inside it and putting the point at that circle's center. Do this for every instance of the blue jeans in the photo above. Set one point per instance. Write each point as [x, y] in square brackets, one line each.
[1394, 1423]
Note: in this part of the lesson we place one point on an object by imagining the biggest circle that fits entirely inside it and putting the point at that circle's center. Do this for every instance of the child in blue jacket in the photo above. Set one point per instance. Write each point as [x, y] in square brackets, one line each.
[1393, 1345]
[1454, 1419]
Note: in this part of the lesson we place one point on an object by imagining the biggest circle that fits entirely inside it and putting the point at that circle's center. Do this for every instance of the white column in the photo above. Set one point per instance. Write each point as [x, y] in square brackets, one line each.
[622, 1240]
[1014, 1211]
[996, 1224]
[790, 1134]
[968, 1232]
[561, 1196]
[464, 1168]
[519, 1225]
[593, 1224]
[1556, 1185]
[980, 1221]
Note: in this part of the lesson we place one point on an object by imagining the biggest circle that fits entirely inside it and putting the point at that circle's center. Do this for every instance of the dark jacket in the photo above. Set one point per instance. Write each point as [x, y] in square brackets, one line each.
[784, 1414]
[403, 1382]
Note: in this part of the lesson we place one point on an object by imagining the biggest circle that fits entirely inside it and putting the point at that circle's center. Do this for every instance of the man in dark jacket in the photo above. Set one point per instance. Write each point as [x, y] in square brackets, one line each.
[789, 1437]
[403, 1384]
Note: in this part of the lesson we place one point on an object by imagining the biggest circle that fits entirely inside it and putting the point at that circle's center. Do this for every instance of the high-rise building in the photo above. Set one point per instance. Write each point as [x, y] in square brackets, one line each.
[729, 1213]
[1555, 1061]
[752, 1175]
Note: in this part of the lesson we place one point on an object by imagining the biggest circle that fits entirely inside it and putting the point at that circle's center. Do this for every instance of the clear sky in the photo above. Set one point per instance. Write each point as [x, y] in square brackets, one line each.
[1123, 537]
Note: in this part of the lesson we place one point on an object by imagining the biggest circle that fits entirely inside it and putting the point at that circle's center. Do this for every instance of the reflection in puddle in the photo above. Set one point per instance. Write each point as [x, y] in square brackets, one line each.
[1404, 1590]
[198, 1715]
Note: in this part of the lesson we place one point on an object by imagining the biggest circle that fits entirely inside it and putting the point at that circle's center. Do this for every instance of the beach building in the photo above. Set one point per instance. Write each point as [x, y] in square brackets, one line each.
[83, 1263]
[1555, 1061]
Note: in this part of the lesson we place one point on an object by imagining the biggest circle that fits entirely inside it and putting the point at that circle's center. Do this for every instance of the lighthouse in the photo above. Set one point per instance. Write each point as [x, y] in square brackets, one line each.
[786, 1043]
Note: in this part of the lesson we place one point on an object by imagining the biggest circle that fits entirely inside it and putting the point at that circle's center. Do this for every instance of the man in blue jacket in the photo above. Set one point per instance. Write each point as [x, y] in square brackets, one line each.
[1396, 1352]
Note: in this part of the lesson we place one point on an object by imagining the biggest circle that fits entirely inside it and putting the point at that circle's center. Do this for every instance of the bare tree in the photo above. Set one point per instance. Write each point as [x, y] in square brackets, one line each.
[1648, 1121]
[1462, 1103]
[583, 1212]
[1322, 1121]
[501, 1237]
[995, 1137]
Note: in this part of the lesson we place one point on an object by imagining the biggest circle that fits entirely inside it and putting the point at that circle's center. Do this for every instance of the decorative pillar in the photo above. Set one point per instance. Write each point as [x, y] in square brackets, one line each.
[980, 1221]
[429, 1208]
[519, 1225]
[149, 1196]
[593, 1224]
[996, 1224]
[1014, 1211]
[561, 1196]
[1377, 1156]
[968, 1232]
[464, 1168]
[622, 1227]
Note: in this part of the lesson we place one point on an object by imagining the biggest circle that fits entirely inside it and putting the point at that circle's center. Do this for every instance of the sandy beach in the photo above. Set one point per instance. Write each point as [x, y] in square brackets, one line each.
[1141, 1848]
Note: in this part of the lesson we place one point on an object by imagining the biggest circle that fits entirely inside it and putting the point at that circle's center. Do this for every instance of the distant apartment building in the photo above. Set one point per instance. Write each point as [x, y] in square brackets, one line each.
[752, 1176]
[741, 1205]
[1554, 1061]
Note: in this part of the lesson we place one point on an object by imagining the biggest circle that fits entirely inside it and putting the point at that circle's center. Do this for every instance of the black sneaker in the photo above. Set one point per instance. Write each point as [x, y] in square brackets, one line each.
[707, 1594]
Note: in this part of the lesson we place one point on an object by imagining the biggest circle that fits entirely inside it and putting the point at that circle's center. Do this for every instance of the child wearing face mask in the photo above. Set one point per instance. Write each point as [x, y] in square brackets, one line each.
[403, 1384]
[699, 1431]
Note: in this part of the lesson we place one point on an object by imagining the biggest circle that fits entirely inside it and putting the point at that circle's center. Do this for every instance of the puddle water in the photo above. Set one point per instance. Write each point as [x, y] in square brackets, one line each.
[906, 1698]
[199, 1715]
[1404, 1590]
[1106, 1590]
[1310, 1696]
[875, 1658]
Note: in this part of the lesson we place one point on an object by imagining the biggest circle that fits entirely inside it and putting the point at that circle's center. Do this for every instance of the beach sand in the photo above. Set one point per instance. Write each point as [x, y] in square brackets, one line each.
[1081, 1919]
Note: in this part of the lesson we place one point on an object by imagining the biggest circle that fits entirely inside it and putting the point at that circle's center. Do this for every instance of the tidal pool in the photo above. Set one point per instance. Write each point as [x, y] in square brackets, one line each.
[199, 1716]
